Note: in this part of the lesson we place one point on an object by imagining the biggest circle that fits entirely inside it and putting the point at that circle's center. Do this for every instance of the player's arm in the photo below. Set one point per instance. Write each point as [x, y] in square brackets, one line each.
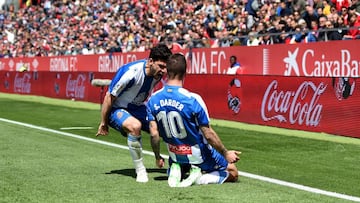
[105, 111]
[155, 143]
[214, 140]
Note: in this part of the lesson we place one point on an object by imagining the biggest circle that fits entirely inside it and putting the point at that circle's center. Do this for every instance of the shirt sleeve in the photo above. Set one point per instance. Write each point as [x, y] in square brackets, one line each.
[150, 116]
[200, 110]
[120, 82]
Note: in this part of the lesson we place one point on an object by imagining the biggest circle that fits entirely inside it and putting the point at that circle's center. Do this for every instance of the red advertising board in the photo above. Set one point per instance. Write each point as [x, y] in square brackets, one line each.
[64, 85]
[321, 59]
[329, 105]
[317, 104]
[300, 86]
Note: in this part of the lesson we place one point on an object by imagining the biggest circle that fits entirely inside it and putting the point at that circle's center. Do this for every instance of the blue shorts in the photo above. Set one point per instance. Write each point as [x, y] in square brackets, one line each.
[118, 116]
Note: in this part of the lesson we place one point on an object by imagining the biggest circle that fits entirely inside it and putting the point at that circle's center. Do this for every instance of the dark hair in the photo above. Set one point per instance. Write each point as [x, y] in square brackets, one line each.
[160, 53]
[233, 57]
[176, 66]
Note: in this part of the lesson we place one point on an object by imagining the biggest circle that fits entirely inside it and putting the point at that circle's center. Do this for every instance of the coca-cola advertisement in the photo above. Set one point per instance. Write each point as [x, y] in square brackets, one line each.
[75, 87]
[22, 83]
[65, 85]
[328, 105]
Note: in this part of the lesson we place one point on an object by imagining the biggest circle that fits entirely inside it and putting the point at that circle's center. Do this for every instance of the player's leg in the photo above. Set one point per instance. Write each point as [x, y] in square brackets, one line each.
[130, 127]
[217, 170]
[133, 128]
[213, 177]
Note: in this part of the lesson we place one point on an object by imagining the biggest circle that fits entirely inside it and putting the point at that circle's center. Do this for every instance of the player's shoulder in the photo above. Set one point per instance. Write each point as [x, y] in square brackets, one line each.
[157, 92]
[136, 65]
[132, 70]
[189, 94]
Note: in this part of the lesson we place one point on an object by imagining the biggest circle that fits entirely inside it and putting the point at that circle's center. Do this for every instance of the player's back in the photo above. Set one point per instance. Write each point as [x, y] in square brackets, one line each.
[179, 113]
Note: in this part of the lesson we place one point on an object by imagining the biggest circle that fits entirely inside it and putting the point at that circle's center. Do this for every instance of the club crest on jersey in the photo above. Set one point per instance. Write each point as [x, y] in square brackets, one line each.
[180, 149]
[119, 115]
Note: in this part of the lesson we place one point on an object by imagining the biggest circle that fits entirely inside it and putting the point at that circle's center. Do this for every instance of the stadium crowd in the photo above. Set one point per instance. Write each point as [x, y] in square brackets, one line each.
[69, 27]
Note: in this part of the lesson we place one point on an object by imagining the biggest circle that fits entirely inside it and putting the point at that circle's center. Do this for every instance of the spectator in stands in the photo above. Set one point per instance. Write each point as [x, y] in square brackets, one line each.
[342, 27]
[310, 15]
[284, 8]
[339, 4]
[332, 34]
[315, 29]
[356, 6]
[353, 10]
[297, 16]
[265, 38]
[344, 14]
[353, 33]
[252, 39]
[321, 35]
[298, 5]
[319, 12]
[133, 23]
[235, 67]
[317, 4]
[302, 35]
[326, 7]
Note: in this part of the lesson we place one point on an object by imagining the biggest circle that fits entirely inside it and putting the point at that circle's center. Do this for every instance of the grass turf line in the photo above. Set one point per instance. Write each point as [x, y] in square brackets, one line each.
[44, 167]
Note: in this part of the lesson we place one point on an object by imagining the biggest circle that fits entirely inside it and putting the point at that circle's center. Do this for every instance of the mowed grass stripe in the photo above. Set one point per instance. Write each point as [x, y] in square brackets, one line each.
[249, 175]
[287, 132]
[40, 167]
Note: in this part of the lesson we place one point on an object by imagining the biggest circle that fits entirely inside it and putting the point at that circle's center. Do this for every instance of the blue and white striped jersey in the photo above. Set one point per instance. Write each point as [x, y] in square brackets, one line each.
[179, 113]
[131, 86]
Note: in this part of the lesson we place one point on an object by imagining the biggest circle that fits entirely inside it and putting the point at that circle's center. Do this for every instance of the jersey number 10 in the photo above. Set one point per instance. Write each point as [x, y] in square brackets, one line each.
[173, 124]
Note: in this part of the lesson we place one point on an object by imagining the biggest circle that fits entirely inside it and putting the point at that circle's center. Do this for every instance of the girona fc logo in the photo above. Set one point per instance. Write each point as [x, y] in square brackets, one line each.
[291, 64]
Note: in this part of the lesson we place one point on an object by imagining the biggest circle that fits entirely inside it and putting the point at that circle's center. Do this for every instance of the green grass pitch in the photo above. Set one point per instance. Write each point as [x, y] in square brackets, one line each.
[45, 166]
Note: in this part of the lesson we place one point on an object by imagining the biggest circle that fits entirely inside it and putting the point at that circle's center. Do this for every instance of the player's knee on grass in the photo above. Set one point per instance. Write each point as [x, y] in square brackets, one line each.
[233, 173]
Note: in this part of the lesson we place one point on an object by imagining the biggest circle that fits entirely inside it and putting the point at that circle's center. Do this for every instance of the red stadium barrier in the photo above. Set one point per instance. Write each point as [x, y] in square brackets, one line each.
[297, 86]
[330, 105]
[313, 104]
[321, 59]
[64, 85]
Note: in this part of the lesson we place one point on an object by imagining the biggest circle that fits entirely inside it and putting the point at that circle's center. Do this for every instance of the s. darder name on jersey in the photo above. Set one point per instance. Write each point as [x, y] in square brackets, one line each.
[171, 102]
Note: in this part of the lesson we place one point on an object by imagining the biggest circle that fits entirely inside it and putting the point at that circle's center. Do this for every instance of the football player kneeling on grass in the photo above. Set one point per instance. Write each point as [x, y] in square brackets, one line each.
[181, 119]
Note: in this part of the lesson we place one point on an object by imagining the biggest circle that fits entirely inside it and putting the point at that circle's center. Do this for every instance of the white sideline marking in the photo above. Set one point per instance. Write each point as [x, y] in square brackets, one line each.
[76, 128]
[249, 175]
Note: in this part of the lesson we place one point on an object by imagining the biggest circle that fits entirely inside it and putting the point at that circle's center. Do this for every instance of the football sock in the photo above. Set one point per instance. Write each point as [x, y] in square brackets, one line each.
[135, 148]
[215, 177]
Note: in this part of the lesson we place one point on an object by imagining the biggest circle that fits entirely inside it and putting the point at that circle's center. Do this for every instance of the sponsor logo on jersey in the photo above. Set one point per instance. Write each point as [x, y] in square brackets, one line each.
[183, 149]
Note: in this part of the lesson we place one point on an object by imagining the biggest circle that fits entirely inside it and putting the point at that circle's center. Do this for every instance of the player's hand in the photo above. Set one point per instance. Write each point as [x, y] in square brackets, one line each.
[160, 162]
[103, 130]
[232, 156]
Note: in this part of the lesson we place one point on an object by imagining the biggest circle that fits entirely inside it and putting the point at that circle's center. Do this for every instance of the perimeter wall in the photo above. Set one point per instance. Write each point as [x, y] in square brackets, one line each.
[310, 87]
